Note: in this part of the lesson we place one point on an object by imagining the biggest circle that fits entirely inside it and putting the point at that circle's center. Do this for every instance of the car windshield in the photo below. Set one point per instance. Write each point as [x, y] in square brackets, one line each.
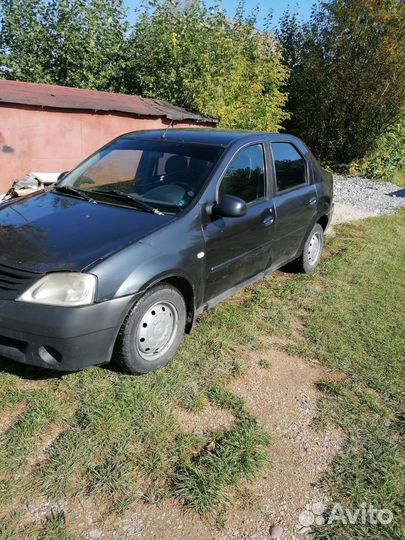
[157, 174]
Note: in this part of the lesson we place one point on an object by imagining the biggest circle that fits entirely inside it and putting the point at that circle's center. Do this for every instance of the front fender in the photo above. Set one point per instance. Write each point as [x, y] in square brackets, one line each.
[169, 252]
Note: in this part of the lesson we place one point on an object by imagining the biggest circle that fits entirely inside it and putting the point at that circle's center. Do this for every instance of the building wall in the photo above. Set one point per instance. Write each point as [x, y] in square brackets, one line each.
[33, 139]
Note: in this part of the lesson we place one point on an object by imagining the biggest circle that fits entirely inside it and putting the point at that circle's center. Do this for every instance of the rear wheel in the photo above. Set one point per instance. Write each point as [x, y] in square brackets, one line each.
[153, 330]
[311, 255]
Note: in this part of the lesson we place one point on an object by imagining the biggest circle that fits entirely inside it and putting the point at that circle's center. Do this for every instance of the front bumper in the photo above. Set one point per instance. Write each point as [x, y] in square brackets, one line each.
[61, 338]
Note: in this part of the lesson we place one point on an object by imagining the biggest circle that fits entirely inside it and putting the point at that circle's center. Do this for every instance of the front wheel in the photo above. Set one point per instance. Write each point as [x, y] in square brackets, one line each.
[311, 255]
[153, 330]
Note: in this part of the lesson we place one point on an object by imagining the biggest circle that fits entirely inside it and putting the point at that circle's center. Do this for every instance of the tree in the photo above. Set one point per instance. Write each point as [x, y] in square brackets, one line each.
[24, 45]
[347, 82]
[199, 59]
[70, 42]
[178, 51]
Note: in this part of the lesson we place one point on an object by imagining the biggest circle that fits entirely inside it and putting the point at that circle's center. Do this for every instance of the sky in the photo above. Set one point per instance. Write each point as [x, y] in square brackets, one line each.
[302, 7]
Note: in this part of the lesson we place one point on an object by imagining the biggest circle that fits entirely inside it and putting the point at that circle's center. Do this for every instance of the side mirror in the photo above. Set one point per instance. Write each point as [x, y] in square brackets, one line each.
[62, 175]
[230, 206]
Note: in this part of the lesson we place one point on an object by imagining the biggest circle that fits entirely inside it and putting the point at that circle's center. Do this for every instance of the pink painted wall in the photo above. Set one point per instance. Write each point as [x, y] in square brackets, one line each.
[55, 140]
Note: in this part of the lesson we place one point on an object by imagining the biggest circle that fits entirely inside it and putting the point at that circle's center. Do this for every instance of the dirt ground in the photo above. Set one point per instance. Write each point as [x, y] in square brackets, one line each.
[343, 213]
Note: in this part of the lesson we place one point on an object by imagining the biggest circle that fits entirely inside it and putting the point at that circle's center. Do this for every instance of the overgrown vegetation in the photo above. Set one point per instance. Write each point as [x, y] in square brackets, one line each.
[347, 81]
[337, 80]
[200, 59]
[387, 160]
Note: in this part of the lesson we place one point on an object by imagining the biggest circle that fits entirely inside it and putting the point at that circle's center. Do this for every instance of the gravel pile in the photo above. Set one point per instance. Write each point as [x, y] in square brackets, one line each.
[375, 198]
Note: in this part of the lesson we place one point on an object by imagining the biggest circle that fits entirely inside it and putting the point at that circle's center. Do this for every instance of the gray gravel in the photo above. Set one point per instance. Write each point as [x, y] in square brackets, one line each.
[375, 197]
[359, 198]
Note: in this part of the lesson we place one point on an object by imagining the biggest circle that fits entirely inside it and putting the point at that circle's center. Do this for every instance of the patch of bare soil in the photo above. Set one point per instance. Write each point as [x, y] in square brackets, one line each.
[344, 213]
[10, 416]
[283, 395]
[284, 398]
[45, 441]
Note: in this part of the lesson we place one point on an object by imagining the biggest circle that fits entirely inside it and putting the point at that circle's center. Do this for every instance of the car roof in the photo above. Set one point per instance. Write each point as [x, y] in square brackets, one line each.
[217, 137]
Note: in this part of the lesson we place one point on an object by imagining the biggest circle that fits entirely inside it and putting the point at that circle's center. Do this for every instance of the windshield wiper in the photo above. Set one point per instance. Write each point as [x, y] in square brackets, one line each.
[75, 191]
[132, 198]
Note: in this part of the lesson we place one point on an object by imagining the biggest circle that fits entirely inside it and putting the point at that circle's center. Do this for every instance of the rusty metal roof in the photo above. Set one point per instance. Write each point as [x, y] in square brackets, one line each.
[63, 97]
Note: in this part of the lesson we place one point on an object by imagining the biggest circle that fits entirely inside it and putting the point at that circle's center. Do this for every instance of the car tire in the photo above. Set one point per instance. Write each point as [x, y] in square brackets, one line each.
[311, 254]
[152, 331]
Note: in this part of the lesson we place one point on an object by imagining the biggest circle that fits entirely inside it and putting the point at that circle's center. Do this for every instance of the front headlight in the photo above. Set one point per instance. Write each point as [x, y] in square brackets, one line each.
[62, 289]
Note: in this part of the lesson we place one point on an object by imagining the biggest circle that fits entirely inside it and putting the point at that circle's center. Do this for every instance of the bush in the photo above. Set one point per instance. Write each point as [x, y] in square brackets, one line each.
[387, 162]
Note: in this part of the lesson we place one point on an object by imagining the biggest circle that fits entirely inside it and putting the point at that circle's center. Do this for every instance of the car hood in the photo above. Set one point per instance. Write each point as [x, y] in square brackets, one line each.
[49, 232]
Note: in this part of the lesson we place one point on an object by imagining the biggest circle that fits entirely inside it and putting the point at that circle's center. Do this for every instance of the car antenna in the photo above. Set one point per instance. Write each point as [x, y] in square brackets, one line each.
[167, 128]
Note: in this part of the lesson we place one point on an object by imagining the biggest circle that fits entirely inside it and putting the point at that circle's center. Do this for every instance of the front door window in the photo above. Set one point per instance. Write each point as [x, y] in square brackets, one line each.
[245, 176]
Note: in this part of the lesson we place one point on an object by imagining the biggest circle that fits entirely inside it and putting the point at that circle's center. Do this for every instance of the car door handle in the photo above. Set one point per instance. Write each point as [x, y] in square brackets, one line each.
[313, 201]
[268, 221]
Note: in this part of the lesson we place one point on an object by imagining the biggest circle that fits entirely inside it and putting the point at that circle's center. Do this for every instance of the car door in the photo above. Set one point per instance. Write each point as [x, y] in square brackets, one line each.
[237, 247]
[295, 201]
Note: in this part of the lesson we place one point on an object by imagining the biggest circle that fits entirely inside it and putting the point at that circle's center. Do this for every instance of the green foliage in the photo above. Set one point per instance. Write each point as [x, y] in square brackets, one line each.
[343, 70]
[199, 59]
[387, 161]
[191, 56]
[68, 42]
[347, 83]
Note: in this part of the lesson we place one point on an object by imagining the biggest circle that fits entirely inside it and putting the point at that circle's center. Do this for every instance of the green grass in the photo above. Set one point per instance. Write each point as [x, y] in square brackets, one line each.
[117, 438]
[204, 481]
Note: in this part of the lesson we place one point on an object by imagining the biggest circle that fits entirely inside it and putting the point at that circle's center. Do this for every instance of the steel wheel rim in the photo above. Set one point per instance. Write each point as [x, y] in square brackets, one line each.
[157, 331]
[314, 248]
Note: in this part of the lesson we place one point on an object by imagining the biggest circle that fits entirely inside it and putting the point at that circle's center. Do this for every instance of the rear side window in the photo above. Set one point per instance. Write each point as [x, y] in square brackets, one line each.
[245, 177]
[289, 165]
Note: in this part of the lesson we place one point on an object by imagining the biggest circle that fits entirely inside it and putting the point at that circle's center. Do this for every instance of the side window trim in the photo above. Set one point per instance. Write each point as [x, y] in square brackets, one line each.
[265, 169]
[274, 173]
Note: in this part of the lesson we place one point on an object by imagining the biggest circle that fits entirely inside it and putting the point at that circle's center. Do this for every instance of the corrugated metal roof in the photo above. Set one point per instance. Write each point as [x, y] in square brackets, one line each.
[64, 97]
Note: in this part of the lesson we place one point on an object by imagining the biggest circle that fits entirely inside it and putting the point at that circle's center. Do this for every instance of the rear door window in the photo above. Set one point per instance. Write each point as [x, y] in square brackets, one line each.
[289, 165]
